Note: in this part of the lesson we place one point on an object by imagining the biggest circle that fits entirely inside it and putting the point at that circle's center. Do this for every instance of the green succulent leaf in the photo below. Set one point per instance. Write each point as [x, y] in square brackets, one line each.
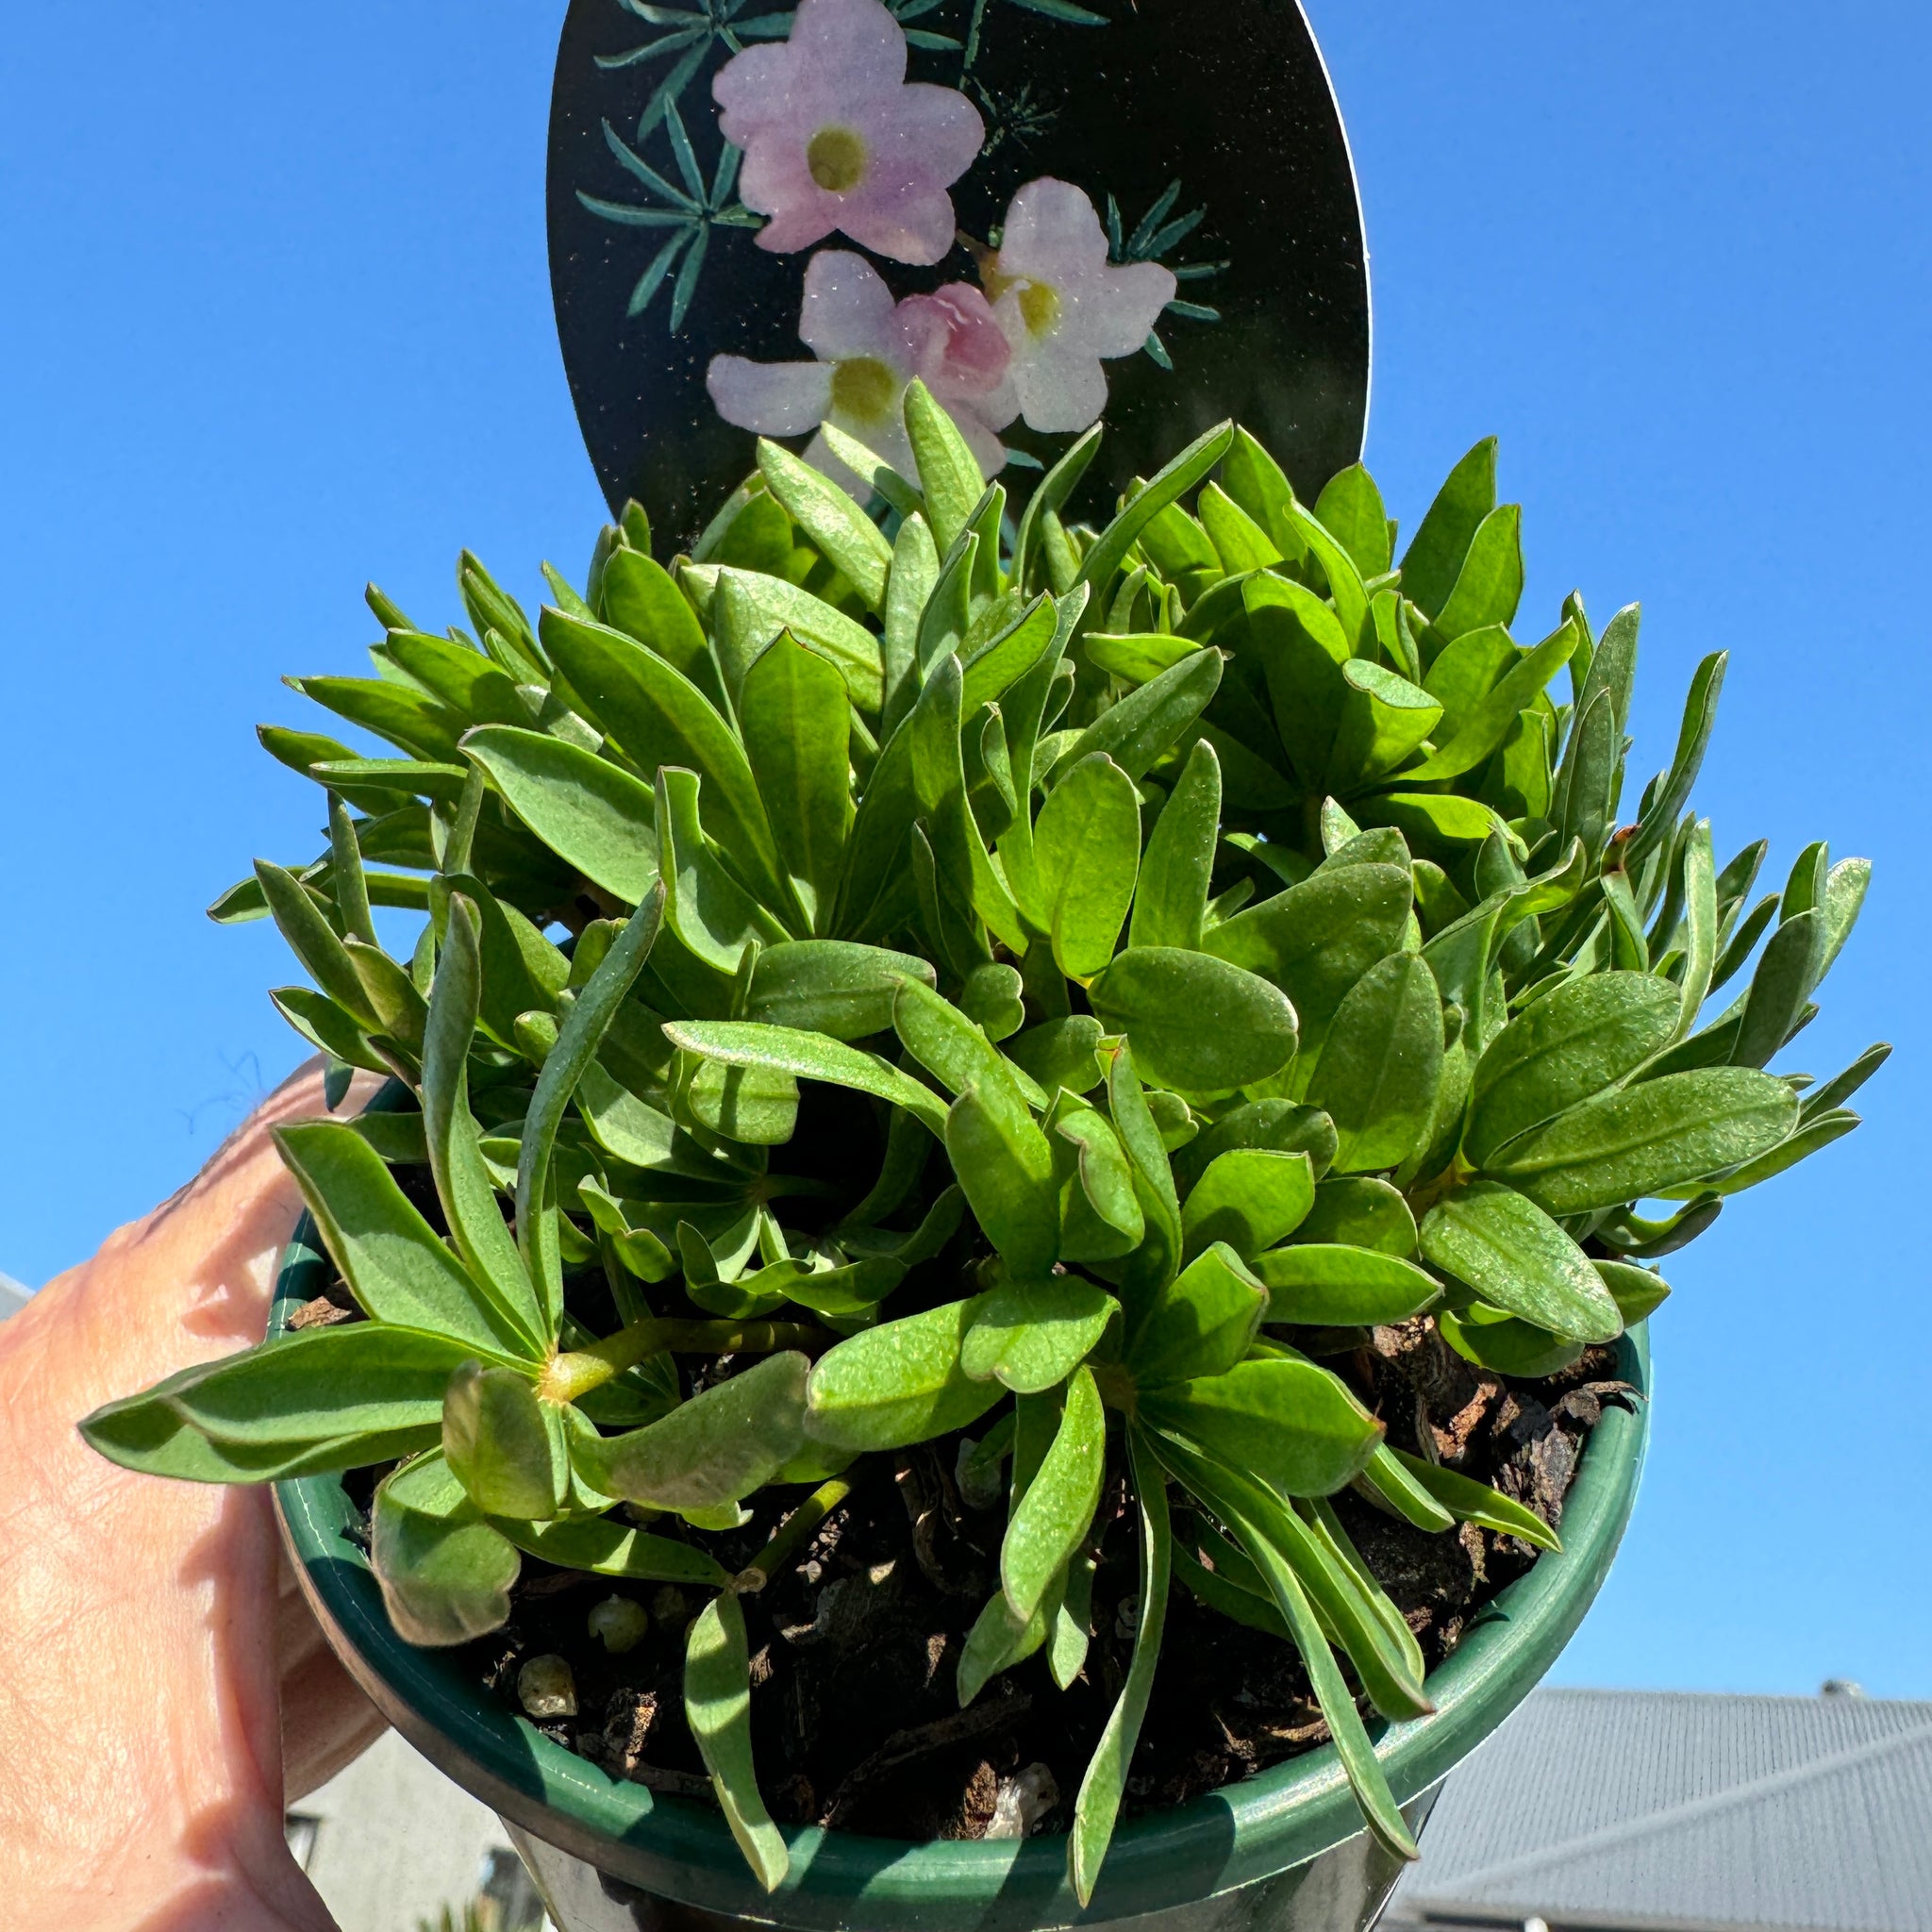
[1813, 1134]
[328, 1399]
[507, 1454]
[1172, 482]
[794, 715]
[1138, 656]
[313, 940]
[1052, 1519]
[952, 1047]
[751, 609]
[1200, 1324]
[1151, 720]
[1381, 1064]
[1657, 1135]
[1505, 1344]
[396, 1266]
[1344, 581]
[1197, 1022]
[717, 1707]
[1005, 1168]
[900, 1383]
[993, 668]
[1101, 1216]
[1518, 1260]
[1331, 1284]
[757, 1106]
[1316, 940]
[1060, 1054]
[712, 915]
[1488, 721]
[1789, 968]
[462, 1181]
[1351, 1605]
[1170, 902]
[1384, 719]
[563, 1069]
[658, 717]
[1032, 1335]
[1087, 856]
[1572, 1044]
[1280, 1126]
[1469, 1501]
[445, 1573]
[359, 1379]
[1350, 507]
[1104, 1784]
[603, 1547]
[595, 815]
[1288, 1423]
[1248, 1198]
[1434, 558]
[719, 1446]
[1386, 1478]
[809, 1056]
[637, 597]
[1361, 1211]
[1637, 1292]
[844, 534]
[999, 1639]
[948, 476]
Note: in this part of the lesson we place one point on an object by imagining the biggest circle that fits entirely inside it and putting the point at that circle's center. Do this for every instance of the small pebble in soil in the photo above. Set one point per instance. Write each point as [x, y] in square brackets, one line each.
[619, 1624]
[1024, 1800]
[546, 1688]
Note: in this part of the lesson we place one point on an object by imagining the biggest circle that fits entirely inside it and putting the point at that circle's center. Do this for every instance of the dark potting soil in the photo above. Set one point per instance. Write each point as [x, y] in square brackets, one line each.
[855, 1718]
[856, 1722]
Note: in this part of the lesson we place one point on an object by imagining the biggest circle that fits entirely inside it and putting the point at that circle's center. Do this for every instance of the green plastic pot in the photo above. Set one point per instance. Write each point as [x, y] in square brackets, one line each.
[1284, 1849]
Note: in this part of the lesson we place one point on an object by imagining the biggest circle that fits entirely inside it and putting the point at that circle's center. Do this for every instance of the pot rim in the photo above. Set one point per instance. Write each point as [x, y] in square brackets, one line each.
[681, 1849]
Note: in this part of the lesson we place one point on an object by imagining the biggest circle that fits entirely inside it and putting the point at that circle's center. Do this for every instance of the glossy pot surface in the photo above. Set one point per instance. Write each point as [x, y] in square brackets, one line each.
[1284, 1848]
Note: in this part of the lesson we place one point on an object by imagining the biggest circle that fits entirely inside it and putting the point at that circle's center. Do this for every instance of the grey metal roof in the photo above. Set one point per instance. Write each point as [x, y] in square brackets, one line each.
[12, 1296]
[1657, 1810]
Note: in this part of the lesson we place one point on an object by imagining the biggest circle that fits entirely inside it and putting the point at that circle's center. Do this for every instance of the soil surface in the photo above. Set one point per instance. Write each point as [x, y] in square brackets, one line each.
[854, 1647]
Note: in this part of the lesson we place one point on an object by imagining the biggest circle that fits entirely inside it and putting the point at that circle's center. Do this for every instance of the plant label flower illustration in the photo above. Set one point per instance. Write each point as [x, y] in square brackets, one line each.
[836, 139]
[1064, 307]
[869, 348]
[1060, 204]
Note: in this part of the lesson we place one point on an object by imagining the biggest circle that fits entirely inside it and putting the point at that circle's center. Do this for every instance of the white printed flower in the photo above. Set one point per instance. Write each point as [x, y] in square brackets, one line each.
[835, 137]
[1064, 307]
[869, 348]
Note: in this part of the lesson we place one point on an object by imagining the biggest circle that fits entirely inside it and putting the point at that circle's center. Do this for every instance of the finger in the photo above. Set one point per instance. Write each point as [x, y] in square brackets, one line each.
[326, 1723]
[326, 1720]
[192, 1279]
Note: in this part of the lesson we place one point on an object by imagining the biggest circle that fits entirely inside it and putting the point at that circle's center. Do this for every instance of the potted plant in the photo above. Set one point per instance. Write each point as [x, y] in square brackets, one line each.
[1124, 1007]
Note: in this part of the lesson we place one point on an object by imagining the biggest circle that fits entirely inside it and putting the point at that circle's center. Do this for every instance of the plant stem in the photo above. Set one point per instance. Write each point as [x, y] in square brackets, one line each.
[792, 1534]
[575, 1373]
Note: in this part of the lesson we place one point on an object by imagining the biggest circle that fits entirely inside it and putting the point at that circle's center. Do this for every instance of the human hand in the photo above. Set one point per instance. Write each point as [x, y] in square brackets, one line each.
[165, 1690]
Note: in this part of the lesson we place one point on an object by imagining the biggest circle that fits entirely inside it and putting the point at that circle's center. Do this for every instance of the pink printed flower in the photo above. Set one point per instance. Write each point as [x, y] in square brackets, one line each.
[869, 348]
[1064, 307]
[835, 137]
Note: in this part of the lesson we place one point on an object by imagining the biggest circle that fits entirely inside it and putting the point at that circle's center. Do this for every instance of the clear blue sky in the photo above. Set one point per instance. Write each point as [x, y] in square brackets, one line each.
[276, 321]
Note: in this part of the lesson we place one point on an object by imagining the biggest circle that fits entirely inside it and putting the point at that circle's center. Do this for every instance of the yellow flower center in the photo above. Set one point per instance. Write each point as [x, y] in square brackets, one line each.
[1039, 308]
[862, 387]
[836, 158]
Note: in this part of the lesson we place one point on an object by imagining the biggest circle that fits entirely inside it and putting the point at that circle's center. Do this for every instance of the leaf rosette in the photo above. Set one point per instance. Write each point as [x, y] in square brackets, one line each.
[886, 976]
